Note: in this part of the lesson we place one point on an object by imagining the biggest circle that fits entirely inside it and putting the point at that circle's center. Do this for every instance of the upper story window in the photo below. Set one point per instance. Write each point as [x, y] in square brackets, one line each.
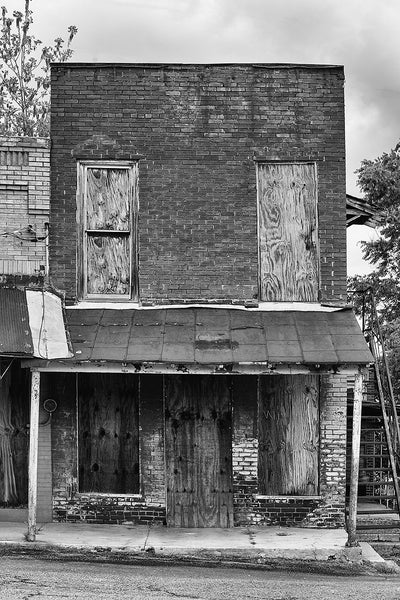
[287, 232]
[107, 217]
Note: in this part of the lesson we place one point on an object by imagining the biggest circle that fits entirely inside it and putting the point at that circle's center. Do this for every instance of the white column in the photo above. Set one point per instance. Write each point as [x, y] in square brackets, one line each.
[33, 455]
[355, 460]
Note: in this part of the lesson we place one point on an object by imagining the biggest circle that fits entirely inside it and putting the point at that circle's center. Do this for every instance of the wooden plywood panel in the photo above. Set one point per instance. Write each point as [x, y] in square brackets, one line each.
[288, 434]
[108, 433]
[288, 236]
[109, 265]
[108, 199]
[198, 439]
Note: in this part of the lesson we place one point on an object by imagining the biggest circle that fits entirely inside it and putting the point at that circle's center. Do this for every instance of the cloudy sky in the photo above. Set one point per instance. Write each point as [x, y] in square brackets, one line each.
[362, 35]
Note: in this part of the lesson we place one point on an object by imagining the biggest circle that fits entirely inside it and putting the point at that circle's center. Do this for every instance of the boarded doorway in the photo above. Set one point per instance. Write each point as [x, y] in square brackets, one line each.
[288, 237]
[198, 445]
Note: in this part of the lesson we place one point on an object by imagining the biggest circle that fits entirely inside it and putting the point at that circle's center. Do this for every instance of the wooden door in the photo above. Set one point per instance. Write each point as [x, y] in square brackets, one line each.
[288, 430]
[198, 443]
[288, 254]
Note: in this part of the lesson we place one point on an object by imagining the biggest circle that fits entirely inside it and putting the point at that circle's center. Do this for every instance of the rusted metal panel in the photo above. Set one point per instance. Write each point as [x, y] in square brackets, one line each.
[203, 336]
[288, 238]
[198, 438]
[15, 333]
[288, 425]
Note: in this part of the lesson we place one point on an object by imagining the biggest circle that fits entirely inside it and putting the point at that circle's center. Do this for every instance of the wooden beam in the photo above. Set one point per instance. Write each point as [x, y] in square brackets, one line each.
[355, 460]
[152, 368]
[33, 456]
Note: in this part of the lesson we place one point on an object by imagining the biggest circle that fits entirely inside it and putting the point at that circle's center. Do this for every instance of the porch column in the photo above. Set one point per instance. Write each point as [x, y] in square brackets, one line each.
[355, 459]
[33, 455]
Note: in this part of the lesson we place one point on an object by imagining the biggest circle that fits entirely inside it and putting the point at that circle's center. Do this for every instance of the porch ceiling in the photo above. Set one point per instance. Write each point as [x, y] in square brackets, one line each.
[216, 336]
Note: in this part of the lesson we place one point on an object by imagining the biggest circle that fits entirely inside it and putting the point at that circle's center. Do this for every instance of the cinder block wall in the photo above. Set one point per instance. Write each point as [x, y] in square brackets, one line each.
[197, 131]
[24, 200]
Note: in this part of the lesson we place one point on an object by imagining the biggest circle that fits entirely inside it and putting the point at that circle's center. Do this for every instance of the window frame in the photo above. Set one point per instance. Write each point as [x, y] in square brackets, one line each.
[84, 233]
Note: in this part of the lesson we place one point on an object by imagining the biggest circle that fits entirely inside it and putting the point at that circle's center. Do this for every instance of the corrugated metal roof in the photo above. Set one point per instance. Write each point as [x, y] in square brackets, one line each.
[15, 333]
[32, 324]
[216, 336]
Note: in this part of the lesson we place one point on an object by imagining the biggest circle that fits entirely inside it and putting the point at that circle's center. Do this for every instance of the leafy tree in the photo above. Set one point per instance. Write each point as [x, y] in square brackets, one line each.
[379, 180]
[25, 74]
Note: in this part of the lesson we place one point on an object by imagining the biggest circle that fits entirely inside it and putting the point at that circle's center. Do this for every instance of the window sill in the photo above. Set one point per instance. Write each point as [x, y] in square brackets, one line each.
[267, 497]
[96, 304]
[138, 497]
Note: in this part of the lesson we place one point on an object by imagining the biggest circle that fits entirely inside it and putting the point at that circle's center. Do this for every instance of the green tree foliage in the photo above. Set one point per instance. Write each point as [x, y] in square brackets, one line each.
[25, 74]
[379, 180]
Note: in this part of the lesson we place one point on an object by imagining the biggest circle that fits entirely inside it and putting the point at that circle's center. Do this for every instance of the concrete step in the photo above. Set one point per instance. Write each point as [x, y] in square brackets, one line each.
[379, 535]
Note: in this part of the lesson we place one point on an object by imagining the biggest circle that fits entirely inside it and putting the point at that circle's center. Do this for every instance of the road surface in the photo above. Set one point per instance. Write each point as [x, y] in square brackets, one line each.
[28, 578]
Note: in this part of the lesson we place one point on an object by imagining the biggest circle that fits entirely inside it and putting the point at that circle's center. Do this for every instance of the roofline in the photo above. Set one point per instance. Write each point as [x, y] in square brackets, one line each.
[128, 65]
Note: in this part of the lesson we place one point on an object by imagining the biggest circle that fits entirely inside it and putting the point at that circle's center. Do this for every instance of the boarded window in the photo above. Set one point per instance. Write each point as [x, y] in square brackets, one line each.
[108, 439]
[289, 270]
[288, 428]
[108, 221]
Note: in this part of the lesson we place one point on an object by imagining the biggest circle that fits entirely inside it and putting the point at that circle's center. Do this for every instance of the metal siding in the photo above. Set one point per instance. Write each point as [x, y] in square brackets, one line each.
[15, 333]
[217, 336]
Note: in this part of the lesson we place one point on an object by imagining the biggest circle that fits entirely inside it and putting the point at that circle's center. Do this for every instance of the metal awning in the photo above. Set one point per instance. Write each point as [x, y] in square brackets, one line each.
[220, 339]
[32, 324]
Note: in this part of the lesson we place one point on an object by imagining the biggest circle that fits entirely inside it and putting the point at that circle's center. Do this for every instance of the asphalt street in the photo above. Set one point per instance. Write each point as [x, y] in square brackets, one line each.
[27, 578]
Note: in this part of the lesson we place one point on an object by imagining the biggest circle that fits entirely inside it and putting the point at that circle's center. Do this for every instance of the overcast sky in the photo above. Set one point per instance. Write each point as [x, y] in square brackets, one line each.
[362, 35]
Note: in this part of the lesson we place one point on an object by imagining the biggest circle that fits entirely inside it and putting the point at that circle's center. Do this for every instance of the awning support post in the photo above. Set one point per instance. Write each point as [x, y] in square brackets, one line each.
[355, 459]
[33, 456]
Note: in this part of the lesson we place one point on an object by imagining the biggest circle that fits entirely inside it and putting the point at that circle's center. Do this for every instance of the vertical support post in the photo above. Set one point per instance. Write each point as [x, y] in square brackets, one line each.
[33, 456]
[355, 459]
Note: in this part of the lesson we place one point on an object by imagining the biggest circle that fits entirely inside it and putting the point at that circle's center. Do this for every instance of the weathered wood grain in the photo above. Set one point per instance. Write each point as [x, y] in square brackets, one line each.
[198, 438]
[288, 434]
[107, 217]
[108, 433]
[109, 265]
[108, 199]
[288, 236]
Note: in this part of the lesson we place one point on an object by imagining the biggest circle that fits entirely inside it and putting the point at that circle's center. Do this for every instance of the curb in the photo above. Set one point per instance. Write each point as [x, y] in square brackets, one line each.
[338, 566]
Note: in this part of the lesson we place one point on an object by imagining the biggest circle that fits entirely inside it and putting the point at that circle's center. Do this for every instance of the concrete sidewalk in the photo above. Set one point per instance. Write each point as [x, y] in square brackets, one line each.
[242, 544]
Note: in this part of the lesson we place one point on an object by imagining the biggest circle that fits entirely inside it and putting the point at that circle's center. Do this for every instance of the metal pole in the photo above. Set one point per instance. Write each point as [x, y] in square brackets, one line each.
[355, 460]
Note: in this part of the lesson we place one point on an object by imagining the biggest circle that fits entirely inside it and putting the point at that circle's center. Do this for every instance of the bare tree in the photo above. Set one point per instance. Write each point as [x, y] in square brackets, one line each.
[25, 74]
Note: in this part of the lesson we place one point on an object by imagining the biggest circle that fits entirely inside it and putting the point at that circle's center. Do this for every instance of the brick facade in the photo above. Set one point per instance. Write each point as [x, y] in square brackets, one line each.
[24, 201]
[197, 131]
[250, 508]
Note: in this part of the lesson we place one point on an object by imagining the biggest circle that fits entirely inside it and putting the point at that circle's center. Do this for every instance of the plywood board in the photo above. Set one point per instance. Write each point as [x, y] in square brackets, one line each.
[288, 237]
[108, 433]
[288, 426]
[198, 440]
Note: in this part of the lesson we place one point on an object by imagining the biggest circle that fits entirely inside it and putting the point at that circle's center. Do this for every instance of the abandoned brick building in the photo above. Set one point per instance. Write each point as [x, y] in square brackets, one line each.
[197, 235]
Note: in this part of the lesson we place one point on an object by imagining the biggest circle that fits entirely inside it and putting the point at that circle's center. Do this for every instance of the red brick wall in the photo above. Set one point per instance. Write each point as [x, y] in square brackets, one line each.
[197, 131]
